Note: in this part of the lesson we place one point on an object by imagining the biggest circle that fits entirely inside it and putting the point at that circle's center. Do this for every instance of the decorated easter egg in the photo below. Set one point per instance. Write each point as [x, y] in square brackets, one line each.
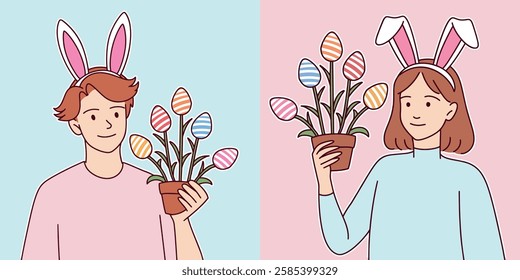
[159, 119]
[375, 96]
[285, 109]
[225, 158]
[140, 146]
[308, 73]
[181, 101]
[331, 48]
[354, 66]
[201, 126]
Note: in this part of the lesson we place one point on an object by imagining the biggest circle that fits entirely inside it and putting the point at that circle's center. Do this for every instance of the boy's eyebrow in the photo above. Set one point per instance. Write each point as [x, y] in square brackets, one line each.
[96, 109]
[432, 97]
[123, 107]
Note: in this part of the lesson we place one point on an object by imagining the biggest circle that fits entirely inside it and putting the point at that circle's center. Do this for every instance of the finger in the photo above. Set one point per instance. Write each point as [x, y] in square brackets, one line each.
[329, 162]
[320, 146]
[185, 204]
[193, 193]
[326, 151]
[187, 197]
[329, 157]
[199, 189]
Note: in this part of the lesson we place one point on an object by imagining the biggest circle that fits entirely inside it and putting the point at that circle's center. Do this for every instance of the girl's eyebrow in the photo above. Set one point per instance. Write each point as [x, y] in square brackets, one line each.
[93, 109]
[122, 107]
[433, 97]
[405, 96]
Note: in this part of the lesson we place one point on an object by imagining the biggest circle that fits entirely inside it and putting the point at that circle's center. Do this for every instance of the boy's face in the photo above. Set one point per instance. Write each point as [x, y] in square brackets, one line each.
[101, 122]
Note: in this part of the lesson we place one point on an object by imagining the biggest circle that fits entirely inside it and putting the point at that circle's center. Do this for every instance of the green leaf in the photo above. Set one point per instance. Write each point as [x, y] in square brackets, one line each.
[309, 119]
[204, 180]
[160, 138]
[161, 155]
[185, 157]
[320, 92]
[175, 149]
[338, 97]
[155, 178]
[192, 145]
[197, 160]
[354, 87]
[355, 112]
[306, 132]
[159, 162]
[327, 107]
[326, 72]
[185, 125]
[340, 118]
[311, 109]
[351, 107]
[359, 129]
[173, 166]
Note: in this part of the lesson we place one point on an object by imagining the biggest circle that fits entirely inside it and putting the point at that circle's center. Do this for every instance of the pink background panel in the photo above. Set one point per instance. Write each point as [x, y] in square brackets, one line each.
[290, 226]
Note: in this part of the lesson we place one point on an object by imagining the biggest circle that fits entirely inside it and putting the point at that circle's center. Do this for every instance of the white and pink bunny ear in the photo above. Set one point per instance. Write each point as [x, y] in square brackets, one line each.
[457, 33]
[398, 32]
[118, 44]
[71, 50]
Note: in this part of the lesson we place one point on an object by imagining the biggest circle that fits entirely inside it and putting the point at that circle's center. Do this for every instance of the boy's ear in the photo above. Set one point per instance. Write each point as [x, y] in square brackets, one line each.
[74, 126]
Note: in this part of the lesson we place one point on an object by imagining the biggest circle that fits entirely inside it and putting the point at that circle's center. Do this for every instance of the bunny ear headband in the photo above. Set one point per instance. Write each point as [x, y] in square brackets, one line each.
[75, 58]
[398, 32]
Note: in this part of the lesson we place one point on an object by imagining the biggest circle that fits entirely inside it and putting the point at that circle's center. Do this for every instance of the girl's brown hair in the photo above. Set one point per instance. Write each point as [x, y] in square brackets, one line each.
[456, 134]
[113, 88]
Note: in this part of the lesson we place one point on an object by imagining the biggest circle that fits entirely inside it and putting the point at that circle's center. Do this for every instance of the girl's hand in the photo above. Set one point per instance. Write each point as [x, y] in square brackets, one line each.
[323, 159]
[193, 196]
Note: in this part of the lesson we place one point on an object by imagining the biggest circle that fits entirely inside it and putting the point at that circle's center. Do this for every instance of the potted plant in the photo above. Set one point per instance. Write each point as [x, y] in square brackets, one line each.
[309, 76]
[172, 169]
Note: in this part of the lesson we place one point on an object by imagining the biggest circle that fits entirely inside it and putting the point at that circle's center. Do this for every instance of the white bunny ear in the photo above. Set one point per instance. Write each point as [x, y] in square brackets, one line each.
[71, 50]
[456, 34]
[398, 32]
[118, 44]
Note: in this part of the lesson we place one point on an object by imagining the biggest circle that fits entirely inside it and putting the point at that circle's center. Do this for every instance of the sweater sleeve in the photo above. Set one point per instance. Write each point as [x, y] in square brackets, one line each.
[478, 223]
[344, 232]
[41, 239]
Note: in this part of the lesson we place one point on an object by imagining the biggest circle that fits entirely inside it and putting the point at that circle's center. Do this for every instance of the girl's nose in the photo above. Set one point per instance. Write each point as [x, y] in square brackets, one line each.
[109, 125]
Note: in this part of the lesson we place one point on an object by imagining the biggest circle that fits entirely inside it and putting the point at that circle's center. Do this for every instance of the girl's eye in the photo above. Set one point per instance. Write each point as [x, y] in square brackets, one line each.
[428, 104]
[407, 104]
[116, 114]
[93, 117]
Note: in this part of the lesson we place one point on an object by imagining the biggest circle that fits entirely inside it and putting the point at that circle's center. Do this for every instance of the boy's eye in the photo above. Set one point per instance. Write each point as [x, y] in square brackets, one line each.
[93, 117]
[428, 104]
[407, 104]
[116, 114]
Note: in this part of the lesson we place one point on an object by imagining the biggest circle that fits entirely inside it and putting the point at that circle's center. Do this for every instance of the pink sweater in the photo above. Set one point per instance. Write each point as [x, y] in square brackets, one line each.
[76, 215]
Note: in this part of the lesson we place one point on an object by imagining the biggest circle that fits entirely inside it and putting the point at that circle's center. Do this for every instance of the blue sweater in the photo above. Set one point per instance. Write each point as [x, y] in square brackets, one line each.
[418, 205]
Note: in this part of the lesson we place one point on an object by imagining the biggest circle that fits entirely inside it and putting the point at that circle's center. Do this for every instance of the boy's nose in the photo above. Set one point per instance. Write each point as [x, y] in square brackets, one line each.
[109, 125]
[416, 117]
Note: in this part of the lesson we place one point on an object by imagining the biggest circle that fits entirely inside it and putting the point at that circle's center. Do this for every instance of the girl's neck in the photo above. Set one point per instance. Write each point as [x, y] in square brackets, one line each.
[431, 142]
[101, 164]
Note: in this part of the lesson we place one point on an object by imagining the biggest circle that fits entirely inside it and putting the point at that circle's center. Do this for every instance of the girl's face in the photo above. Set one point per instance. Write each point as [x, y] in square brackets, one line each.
[423, 111]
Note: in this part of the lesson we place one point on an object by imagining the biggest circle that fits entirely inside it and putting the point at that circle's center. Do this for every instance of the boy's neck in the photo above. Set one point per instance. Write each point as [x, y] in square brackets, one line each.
[101, 164]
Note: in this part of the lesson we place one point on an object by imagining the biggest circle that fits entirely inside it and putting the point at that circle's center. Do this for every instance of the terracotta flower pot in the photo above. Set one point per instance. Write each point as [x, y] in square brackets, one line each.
[170, 197]
[345, 143]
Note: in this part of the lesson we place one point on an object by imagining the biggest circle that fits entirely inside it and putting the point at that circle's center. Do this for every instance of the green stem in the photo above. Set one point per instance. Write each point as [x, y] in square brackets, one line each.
[168, 160]
[150, 158]
[300, 118]
[318, 108]
[193, 154]
[204, 171]
[345, 107]
[356, 118]
[181, 144]
[331, 87]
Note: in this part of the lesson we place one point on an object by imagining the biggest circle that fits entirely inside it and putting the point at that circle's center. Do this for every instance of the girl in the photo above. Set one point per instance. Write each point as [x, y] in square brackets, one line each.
[420, 204]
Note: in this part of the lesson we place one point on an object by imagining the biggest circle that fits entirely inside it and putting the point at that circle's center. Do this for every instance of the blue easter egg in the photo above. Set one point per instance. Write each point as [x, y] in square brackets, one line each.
[201, 127]
[308, 73]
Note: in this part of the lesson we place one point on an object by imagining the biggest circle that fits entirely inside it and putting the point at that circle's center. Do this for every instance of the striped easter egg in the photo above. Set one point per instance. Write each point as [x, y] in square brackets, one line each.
[140, 146]
[285, 109]
[181, 101]
[331, 48]
[308, 73]
[354, 66]
[225, 158]
[201, 126]
[159, 119]
[375, 96]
